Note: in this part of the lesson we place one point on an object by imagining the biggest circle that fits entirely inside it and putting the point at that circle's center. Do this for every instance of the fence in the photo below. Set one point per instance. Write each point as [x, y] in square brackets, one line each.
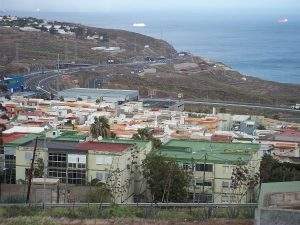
[193, 211]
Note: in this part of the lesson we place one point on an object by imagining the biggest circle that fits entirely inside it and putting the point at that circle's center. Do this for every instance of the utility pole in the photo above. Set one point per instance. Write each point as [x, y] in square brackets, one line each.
[31, 172]
[203, 180]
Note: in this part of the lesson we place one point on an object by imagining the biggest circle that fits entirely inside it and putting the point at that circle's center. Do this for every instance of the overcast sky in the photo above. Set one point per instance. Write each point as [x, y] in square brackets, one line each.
[137, 5]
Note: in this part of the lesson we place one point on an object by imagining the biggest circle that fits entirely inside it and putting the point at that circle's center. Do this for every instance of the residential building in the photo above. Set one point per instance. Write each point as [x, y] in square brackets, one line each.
[211, 165]
[114, 162]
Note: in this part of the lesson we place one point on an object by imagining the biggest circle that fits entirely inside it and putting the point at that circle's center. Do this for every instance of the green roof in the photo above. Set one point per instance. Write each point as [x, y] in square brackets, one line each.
[220, 153]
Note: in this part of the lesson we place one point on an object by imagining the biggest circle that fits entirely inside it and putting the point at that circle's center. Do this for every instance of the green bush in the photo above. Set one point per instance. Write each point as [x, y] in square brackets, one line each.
[121, 212]
[15, 211]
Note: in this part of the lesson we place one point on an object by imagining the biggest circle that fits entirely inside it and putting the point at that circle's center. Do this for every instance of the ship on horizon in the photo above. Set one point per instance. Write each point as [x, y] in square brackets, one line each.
[139, 25]
[283, 20]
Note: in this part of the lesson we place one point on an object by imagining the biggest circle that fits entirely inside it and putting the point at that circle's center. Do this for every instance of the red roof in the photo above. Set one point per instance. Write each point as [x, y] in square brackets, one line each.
[221, 138]
[7, 138]
[103, 147]
[290, 133]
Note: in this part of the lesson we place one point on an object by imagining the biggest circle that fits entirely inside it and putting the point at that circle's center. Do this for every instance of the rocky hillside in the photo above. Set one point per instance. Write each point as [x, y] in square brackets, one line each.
[192, 76]
[24, 50]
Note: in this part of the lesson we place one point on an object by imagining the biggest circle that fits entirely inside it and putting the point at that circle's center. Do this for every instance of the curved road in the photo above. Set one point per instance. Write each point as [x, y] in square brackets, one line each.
[40, 81]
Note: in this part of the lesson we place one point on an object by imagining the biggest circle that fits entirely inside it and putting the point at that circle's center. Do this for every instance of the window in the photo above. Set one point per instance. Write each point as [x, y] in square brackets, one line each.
[225, 184]
[76, 161]
[76, 177]
[204, 198]
[225, 198]
[200, 183]
[28, 156]
[10, 171]
[57, 160]
[103, 160]
[58, 173]
[226, 169]
[99, 175]
[202, 167]
[186, 166]
[102, 176]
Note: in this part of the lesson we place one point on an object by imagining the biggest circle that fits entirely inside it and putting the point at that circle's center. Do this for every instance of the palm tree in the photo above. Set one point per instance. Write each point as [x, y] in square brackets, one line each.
[147, 134]
[100, 127]
[143, 134]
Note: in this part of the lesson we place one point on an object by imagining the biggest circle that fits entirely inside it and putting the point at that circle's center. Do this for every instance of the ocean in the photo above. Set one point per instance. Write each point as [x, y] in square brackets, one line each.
[254, 44]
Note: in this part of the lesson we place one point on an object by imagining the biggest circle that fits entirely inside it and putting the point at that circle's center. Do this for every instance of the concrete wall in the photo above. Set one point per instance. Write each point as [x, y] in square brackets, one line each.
[67, 193]
[264, 216]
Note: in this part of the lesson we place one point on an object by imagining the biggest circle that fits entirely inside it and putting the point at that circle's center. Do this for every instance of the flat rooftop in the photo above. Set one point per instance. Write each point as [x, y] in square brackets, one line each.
[220, 153]
[76, 146]
[103, 147]
[92, 93]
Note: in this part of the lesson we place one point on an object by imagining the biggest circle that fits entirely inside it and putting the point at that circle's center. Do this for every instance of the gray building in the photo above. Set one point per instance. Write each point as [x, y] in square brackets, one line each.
[108, 95]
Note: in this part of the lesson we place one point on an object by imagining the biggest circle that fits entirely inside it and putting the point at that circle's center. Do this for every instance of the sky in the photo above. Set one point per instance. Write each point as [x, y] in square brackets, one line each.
[146, 5]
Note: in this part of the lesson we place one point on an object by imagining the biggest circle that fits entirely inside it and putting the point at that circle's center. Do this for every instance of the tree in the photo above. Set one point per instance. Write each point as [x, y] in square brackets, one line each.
[166, 180]
[100, 127]
[61, 98]
[261, 127]
[113, 135]
[147, 134]
[39, 168]
[245, 181]
[271, 170]
[79, 99]
[100, 192]
[99, 100]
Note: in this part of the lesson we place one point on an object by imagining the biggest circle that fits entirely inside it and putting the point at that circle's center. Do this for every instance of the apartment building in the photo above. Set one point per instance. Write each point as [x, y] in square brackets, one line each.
[211, 165]
[78, 162]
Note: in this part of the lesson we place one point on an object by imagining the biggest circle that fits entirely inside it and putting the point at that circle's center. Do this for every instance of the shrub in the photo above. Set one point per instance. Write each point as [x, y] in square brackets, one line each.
[15, 211]
[121, 212]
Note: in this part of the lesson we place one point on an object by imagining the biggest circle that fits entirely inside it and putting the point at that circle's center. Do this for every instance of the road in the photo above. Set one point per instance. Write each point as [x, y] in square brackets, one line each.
[216, 103]
[41, 81]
